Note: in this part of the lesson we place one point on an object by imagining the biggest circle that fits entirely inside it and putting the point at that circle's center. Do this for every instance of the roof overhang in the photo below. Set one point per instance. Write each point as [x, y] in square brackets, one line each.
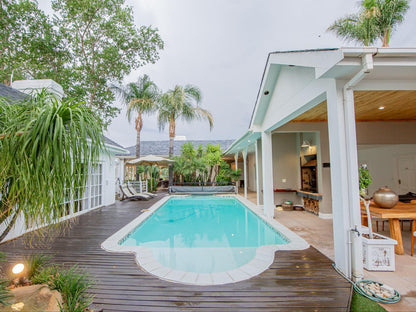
[340, 64]
[115, 149]
[334, 63]
[243, 143]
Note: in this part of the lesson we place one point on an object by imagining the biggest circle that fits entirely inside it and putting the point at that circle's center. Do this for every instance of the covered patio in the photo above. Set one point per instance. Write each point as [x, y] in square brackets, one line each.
[297, 280]
[319, 114]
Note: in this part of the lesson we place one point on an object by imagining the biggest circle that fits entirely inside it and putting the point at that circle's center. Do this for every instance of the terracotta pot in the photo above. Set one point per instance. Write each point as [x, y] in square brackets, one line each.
[385, 198]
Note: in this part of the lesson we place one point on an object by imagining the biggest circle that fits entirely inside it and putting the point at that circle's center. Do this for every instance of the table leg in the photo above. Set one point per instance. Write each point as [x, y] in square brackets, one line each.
[413, 236]
[364, 220]
[395, 233]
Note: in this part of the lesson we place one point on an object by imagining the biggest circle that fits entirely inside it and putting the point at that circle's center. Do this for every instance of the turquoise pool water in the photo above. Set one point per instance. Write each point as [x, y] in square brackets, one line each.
[203, 234]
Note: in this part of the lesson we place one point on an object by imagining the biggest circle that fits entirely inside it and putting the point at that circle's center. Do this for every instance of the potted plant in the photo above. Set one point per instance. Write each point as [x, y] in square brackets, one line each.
[378, 250]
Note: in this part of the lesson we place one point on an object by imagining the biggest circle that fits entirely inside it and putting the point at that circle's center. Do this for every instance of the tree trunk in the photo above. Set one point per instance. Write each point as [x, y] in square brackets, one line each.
[214, 173]
[171, 139]
[386, 38]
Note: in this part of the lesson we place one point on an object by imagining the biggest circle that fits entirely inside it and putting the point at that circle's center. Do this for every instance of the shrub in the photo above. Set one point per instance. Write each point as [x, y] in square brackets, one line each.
[4, 290]
[35, 263]
[71, 283]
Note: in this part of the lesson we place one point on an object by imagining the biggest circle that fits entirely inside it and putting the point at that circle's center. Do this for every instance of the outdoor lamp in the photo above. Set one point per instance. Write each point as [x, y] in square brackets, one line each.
[18, 268]
[305, 144]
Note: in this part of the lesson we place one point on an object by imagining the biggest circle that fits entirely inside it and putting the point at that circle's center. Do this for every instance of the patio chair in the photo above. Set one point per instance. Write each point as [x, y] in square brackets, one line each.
[134, 192]
[127, 194]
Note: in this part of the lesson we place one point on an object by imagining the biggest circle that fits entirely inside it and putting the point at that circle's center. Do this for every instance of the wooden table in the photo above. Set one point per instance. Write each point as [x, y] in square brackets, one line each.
[400, 211]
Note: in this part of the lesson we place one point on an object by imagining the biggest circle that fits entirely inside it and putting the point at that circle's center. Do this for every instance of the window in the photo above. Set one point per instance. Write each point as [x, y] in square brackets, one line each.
[96, 185]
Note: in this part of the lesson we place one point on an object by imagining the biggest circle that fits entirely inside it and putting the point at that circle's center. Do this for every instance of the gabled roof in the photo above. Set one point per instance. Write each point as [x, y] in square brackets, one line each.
[111, 142]
[333, 63]
[339, 63]
[11, 94]
[161, 148]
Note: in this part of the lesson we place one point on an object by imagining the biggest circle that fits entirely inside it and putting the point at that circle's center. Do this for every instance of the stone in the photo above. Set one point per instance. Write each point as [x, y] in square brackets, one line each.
[17, 306]
[34, 298]
[54, 301]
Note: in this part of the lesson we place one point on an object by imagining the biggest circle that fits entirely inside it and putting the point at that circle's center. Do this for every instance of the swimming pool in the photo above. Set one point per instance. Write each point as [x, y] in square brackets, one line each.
[203, 240]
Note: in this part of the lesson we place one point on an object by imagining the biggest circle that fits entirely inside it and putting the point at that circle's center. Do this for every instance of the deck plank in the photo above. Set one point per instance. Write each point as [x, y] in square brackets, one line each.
[296, 281]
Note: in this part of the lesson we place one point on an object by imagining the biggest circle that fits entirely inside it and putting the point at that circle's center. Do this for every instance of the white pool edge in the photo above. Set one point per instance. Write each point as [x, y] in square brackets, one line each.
[261, 262]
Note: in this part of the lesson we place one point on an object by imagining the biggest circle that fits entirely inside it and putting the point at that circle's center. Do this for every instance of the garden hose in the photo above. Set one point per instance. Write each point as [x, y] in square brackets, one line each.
[367, 288]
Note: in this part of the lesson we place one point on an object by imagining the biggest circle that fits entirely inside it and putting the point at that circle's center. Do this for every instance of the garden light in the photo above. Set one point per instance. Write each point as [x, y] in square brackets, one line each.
[18, 268]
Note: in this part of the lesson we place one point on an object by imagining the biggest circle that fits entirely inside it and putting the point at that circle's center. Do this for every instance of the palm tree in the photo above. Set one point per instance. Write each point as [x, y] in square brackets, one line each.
[46, 148]
[389, 13]
[180, 102]
[358, 27]
[140, 97]
[376, 20]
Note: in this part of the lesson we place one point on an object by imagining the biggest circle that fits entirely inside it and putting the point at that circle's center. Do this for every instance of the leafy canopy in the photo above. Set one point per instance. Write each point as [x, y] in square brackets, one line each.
[200, 164]
[30, 47]
[89, 44]
[377, 19]
[105, 45]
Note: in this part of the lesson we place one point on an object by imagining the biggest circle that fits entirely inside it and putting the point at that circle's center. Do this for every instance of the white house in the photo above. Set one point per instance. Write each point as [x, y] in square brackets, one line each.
[99, 190]
[318, 115]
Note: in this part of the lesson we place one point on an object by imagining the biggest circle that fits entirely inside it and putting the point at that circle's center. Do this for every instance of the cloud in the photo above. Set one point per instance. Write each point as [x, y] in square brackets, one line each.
[222, 47]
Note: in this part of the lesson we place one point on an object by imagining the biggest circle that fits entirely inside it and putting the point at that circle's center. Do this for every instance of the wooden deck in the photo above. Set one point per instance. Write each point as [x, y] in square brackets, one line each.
[296, 281]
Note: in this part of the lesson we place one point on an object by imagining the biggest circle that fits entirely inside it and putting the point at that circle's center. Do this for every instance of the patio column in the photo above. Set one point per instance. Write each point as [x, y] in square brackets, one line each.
[237, 183]
[257, 172]
[245, 172]
[267, 167]
[344, 181]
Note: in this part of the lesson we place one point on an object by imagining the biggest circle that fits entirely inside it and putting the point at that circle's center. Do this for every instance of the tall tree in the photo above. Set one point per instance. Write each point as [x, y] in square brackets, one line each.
[29, 45]
[140, 97]
[105, 45]
[46, 148]
[389, 14]
[184, 103]
[376, 20]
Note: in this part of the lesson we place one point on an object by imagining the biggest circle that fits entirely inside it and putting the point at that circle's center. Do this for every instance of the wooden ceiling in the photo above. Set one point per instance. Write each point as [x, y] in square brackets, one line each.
[398, 106]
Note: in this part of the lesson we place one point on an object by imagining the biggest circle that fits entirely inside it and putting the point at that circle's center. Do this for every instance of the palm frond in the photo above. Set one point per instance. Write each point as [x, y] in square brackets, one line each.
[57, 142]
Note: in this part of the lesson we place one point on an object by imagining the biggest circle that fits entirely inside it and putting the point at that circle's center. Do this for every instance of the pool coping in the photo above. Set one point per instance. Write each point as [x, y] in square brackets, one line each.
[263, 258]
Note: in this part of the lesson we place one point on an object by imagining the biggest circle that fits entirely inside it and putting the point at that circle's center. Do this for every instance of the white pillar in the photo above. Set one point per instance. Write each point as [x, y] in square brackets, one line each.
[245, 172]
[237, 183]
[257, 173]
[267, 166]
[353, 187]
[344, 179]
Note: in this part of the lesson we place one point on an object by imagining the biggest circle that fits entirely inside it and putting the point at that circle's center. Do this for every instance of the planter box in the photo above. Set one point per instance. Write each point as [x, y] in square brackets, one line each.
[378, 253]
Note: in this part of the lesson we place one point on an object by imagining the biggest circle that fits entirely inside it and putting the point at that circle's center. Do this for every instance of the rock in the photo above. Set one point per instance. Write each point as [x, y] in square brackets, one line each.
[54, 301]
[34, 298]
[44, 294]
[17, 306]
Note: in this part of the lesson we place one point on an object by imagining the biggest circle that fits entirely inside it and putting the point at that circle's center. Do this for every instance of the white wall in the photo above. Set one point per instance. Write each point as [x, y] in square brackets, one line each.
[286, 171]
[290, 81]
[382, 162]
[251, 172]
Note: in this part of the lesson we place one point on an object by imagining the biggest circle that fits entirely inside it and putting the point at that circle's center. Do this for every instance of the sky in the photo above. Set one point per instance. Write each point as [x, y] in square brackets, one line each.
[221, 46]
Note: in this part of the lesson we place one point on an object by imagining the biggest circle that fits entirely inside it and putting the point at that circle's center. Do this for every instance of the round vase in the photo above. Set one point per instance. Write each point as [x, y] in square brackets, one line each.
[385, 198]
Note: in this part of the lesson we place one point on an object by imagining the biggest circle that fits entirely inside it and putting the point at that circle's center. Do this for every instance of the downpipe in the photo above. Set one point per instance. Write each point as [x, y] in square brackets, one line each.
[355, 242]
